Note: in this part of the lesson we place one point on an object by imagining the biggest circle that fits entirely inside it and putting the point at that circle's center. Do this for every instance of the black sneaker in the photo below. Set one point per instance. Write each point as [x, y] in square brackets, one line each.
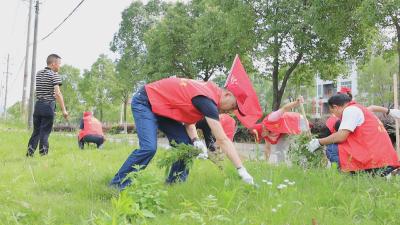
[30, 152]
[396, 172]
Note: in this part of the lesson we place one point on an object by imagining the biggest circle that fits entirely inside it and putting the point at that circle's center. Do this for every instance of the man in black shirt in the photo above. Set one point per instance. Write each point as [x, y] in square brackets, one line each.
[48, 84]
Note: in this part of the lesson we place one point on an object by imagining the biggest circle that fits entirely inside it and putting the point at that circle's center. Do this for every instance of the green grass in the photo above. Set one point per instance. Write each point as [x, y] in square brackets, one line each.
[69, 186]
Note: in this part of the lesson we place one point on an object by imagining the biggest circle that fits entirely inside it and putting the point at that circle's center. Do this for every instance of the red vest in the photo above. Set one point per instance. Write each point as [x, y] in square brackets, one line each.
[289, 123]
[172, 98]
[229, 125]
[368, 147]
[330, 123]
[90, 126]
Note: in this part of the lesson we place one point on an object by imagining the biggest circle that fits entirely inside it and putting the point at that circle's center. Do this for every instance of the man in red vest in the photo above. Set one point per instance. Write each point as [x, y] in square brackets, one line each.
[174, 105]
[364, 144]
[278, 124]
[91, 131]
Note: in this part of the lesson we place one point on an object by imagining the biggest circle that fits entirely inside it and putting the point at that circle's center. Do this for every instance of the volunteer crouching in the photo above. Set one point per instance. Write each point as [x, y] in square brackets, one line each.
[91, 131]
[364, 144]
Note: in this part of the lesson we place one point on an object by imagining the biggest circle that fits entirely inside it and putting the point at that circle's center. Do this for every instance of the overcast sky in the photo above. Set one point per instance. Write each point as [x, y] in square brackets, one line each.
[79, 41]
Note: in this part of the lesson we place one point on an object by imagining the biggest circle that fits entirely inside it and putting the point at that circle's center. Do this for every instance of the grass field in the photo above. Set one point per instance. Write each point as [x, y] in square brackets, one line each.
[70, 186]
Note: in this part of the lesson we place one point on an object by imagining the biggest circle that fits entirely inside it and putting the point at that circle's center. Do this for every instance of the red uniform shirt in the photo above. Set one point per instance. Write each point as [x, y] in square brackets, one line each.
[172, 98]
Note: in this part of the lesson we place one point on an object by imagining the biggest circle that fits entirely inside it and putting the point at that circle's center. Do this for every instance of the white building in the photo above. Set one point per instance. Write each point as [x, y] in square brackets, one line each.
[326, 89]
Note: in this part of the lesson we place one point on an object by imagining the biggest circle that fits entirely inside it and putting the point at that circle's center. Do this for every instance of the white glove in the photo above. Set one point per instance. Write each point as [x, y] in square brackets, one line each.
[313, 145]
[395, 113]
[200, 145]
[246, 177]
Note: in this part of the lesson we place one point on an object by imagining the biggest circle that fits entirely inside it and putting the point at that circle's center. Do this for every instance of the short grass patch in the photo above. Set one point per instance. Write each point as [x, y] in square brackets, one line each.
[70, 186]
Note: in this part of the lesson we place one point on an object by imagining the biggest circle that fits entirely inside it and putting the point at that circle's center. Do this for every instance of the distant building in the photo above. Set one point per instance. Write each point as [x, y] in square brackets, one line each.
[326, 89]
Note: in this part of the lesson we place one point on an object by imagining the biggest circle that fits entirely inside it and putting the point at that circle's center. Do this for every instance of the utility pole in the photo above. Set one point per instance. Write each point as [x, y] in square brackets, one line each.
[32, 92]
[24, 89]
[1, 89]
[5, 94]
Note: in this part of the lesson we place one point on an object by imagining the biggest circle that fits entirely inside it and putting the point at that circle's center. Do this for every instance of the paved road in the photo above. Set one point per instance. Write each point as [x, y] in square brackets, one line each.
[246, 150]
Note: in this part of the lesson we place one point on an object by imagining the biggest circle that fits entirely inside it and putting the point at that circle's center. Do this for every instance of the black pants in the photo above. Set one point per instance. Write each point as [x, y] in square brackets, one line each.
[384, 171]
[98, 140]
[43, 117]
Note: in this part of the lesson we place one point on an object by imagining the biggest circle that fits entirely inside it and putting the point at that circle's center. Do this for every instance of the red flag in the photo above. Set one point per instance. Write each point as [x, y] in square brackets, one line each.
[240, 85]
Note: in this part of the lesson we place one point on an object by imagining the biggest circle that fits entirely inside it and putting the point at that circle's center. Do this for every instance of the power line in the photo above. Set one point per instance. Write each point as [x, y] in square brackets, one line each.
[66, 18]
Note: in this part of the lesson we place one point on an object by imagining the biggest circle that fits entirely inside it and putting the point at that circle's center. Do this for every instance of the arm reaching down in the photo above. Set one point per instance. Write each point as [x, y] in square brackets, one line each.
[229, 148]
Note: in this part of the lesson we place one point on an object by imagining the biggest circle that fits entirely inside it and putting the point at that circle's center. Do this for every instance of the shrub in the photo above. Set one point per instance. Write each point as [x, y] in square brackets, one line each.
[118, 128]
[64, 128]
[243, 134]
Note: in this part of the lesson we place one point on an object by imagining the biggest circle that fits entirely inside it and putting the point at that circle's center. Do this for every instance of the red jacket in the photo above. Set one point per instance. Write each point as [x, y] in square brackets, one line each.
[289, 123]
[172, 98]
[91, 126]
[330, 123]
[368, 146]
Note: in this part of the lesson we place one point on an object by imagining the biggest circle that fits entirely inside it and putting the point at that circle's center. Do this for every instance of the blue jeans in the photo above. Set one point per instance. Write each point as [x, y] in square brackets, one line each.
[332, 153]
[147, 124]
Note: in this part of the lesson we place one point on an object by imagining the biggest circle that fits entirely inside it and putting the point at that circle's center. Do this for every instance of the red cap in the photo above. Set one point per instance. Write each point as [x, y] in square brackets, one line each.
[87, 113]
[240, 96]
[345, 90]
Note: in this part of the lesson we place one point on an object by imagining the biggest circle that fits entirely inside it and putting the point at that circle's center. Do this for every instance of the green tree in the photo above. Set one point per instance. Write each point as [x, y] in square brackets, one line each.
[14, 112]
[319, 35]
[200, 39]
[385, 16]
[95, 86]
[128, 43]
[375, 83]
[70, 77]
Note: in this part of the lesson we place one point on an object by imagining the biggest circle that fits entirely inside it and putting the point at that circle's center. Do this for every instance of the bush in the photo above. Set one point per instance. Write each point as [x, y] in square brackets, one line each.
[243, 134]
[64, 128]
[118, 128]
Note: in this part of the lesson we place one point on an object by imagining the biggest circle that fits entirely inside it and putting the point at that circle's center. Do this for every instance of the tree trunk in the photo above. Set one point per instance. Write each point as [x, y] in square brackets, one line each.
[278, 92]
[276, 101]
[397, 25]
